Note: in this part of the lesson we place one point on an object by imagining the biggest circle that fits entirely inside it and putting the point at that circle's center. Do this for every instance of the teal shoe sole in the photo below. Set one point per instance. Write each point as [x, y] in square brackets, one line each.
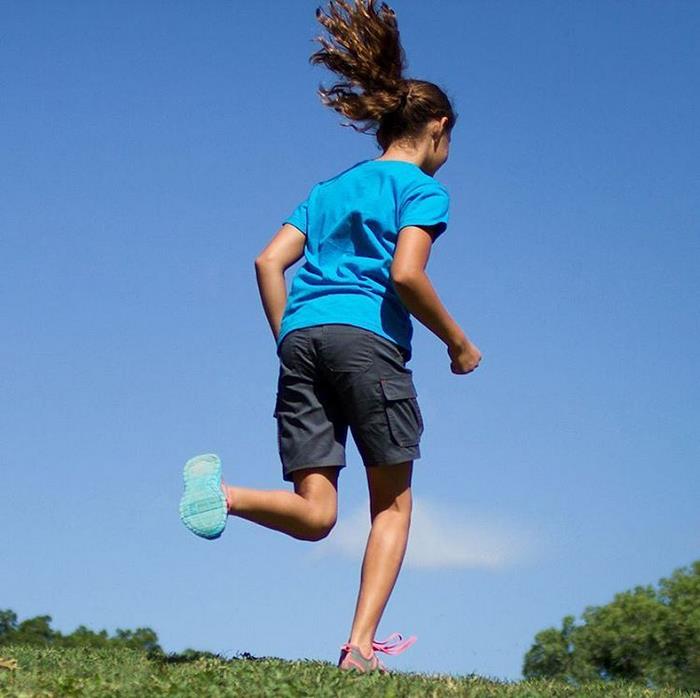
[203, 506]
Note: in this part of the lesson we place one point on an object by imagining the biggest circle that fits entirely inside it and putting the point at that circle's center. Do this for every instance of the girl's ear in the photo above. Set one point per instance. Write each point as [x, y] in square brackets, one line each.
[440, 129]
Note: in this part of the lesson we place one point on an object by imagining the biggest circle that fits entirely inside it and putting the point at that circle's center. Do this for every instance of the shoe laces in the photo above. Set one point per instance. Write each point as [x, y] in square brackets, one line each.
[394, 644]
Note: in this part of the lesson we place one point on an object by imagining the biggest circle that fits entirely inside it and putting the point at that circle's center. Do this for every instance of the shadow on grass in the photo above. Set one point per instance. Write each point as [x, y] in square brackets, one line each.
[190, 655]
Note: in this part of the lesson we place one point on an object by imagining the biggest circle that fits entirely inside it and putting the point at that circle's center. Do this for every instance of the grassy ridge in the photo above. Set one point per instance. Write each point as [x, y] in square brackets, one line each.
[60, 672]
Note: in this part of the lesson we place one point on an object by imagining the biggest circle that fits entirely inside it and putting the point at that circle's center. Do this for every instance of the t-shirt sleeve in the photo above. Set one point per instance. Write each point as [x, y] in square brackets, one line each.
[428, 204]
[299, 217]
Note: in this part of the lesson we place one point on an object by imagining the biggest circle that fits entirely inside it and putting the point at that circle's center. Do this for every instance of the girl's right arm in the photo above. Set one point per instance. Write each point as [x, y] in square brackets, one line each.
[285, 248]
[418, 295]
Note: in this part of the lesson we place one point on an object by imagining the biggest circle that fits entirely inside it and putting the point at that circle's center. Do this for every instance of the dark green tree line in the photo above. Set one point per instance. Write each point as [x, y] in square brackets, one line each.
[38, 631]
[649, 636]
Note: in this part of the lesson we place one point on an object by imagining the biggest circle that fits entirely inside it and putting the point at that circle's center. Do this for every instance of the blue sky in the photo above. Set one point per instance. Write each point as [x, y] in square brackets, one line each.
[150, 150]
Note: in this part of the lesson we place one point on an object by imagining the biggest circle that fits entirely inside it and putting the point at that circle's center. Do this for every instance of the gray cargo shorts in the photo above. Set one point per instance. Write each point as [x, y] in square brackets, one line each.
[336, 376]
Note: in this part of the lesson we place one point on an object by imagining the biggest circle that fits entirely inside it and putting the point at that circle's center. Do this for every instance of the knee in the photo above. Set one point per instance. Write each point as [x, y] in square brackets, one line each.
[395, 509]
[320, 526]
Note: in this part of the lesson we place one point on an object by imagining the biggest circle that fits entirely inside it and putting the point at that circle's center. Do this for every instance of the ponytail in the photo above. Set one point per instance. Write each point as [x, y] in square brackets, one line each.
[365, 49]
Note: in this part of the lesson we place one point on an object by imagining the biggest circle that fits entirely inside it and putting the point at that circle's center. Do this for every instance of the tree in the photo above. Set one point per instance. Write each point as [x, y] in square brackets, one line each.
[38, 631]
[84, 637]
[645, 636]
[8, 624]
[140, 639]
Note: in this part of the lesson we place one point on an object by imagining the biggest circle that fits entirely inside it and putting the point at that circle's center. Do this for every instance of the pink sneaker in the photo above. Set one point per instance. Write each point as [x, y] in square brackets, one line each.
[351, 658]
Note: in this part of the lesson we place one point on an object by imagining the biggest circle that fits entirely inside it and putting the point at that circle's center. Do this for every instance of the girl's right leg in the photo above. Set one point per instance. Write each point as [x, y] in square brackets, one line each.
[390, 510]
[308, 513]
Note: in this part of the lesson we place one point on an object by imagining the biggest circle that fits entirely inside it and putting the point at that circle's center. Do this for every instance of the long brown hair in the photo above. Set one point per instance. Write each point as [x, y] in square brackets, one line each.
[365, 49]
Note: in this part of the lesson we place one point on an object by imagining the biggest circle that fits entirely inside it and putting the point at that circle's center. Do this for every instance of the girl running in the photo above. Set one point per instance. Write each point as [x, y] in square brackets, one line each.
[343, 335]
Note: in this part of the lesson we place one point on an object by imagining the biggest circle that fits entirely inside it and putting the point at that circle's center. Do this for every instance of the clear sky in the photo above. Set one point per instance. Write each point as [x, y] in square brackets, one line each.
[149, 151]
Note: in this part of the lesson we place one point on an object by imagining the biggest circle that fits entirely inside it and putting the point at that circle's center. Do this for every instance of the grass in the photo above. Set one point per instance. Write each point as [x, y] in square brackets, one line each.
[59, 672]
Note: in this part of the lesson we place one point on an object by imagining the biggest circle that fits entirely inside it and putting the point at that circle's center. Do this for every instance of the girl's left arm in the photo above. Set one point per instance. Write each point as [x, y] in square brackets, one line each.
[285, 248]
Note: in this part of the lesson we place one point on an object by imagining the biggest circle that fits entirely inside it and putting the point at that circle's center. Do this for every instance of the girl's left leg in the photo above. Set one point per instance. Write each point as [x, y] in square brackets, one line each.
[390, 510]
[308, 513]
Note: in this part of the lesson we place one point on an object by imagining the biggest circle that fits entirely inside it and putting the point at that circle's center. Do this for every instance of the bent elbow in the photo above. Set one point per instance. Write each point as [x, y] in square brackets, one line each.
[263, 260]
[404, 277]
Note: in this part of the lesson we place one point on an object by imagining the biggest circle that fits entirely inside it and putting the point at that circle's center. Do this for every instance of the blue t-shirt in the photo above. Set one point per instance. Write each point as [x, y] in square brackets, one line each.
[351, 223]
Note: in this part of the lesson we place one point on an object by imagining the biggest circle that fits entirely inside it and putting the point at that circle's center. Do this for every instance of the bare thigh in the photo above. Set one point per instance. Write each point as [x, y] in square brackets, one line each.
[319, 486]
[389, 487]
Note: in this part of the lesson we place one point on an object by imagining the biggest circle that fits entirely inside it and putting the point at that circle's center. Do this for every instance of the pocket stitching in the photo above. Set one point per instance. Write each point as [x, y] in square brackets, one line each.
[363, 367]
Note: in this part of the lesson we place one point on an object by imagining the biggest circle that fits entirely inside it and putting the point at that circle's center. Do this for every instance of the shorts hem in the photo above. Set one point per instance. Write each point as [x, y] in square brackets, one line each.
[287, 474]
[394, 461]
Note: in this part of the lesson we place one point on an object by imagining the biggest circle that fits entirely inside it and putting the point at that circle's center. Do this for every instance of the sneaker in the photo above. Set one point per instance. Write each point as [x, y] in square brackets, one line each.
[203, 507]
[351, 658]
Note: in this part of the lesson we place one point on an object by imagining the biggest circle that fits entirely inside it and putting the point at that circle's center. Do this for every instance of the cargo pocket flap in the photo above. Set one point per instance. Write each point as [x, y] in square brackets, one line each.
[398, 388]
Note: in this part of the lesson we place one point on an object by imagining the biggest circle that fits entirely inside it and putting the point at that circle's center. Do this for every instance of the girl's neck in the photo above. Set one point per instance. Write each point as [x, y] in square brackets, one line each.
[386, 157]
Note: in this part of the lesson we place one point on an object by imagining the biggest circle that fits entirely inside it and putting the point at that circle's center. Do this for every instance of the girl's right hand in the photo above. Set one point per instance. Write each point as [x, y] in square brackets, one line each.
[464, 355]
